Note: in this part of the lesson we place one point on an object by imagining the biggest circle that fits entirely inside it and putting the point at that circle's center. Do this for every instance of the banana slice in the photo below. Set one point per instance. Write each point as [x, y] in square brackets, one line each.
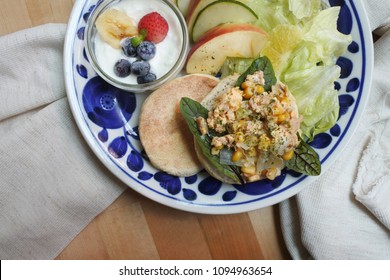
[114, 25]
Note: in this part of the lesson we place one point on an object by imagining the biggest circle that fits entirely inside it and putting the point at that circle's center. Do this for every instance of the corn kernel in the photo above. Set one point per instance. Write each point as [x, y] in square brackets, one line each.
[237, 125]
[215, 151]
[271, 173]
[246, 84]
[283, 117]
[284, 100]
[251, 140]
[248, 170]
[237, 155]
[248, 92]
[253, 178]
[239, 137]
[259, 89]
[288, 155]
[265, 142]
[277, 109]
[251, 152]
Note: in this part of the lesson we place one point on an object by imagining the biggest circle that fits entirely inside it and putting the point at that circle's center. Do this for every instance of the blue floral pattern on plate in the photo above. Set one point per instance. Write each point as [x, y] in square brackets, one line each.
[109, 119]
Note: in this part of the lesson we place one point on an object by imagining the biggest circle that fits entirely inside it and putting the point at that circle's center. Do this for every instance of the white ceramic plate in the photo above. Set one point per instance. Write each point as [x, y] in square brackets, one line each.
[108, 120]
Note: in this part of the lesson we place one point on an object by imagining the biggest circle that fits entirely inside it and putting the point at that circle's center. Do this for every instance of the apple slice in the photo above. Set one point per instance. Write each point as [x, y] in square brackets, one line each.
[219, 12]
[226, 40]
[192, 6]
[193, 10]
[183, 6]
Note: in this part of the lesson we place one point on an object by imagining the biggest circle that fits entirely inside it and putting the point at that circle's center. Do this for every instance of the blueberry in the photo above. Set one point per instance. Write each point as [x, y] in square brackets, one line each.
[128, 48]
[150, 77]
[146, 50]
[140, 67]
[122, 68]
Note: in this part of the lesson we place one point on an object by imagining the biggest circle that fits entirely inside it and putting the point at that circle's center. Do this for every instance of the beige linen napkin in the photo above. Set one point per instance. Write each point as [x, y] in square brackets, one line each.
[51, 184]
[345, 214]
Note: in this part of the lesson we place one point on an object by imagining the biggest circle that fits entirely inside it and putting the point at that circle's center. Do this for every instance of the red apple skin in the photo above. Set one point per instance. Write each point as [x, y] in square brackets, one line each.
[191, 9]
[226, 28]
[218, 35]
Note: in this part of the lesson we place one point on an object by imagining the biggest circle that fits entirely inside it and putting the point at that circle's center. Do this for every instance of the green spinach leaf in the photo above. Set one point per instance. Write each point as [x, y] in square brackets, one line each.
[191, 110]
[260, 64]
[305, 160]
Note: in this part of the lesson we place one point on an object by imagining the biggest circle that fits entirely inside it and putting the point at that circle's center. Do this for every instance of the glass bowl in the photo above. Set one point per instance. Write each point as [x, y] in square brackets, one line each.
[170, 53]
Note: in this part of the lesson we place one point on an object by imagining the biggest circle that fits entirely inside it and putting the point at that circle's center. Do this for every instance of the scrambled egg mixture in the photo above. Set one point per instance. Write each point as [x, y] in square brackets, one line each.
[258, 128]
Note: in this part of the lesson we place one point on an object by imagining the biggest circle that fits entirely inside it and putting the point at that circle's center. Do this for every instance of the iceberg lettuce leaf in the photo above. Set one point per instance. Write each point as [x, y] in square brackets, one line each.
[322, 30]
[271, 13]
[312, 72]
[313, 88]
[304, 8]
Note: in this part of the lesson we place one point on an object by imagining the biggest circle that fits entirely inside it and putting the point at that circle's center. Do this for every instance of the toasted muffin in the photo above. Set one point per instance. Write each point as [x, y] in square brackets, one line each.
[164, 134]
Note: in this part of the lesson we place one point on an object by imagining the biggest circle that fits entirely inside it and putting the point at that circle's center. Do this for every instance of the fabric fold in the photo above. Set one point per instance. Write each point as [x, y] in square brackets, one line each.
[371, 186]
[31, 68]
[52, 184]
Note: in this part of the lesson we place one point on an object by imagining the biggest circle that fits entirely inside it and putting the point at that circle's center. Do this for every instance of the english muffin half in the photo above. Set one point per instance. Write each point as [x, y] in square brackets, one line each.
[163, 131]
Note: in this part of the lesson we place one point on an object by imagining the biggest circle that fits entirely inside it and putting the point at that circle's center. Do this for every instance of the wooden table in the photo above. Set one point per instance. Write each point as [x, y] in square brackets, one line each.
[134, 227]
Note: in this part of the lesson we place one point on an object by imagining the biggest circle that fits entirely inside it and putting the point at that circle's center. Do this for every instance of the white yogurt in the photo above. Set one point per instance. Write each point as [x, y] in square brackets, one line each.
[167, 51]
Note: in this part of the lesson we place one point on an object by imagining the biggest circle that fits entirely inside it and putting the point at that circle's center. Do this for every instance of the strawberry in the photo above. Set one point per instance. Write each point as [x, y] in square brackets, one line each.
[155, 25]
